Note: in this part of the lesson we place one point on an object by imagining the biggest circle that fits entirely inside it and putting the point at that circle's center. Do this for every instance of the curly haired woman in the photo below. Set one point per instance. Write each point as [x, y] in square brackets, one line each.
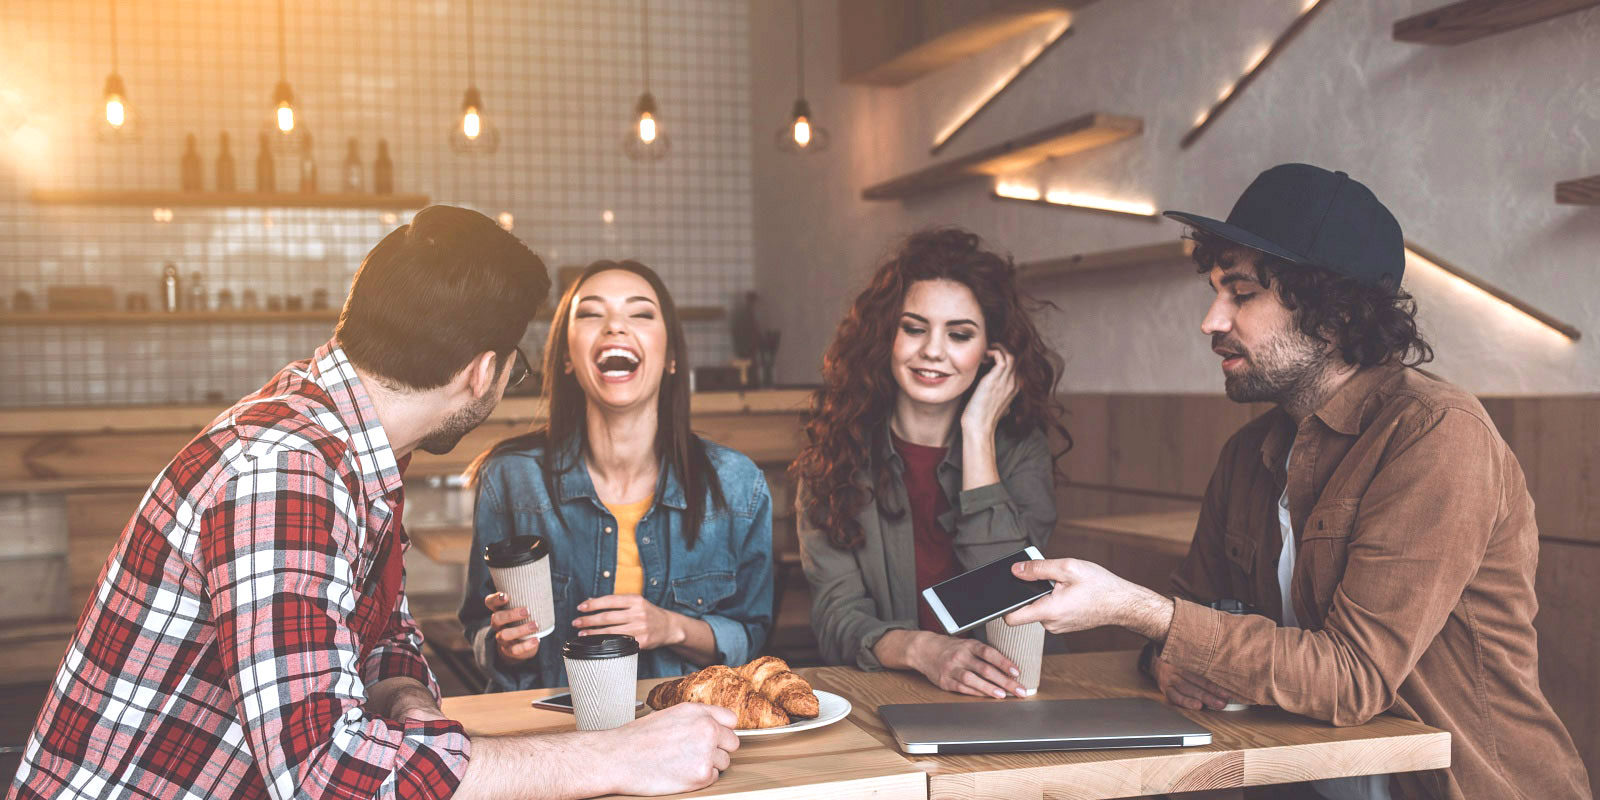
[926, 456]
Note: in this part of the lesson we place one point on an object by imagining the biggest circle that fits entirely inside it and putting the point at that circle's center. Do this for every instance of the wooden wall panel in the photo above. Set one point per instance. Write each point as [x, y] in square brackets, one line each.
[94, 523]
[1569, 642]
[1557, 440]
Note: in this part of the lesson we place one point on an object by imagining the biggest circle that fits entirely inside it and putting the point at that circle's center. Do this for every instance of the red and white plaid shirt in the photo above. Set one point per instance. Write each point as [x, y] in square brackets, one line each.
[236, 625]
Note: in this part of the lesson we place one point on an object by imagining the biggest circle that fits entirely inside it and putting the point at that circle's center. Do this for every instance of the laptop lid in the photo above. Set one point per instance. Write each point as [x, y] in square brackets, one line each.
[1029, 725]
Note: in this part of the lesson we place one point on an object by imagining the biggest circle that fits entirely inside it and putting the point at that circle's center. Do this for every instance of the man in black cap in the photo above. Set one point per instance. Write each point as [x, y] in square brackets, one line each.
[1374, 521]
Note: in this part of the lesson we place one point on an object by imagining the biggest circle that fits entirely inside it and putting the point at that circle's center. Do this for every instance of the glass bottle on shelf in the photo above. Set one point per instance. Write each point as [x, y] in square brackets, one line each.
[171, 288]
[190, 167]
[308, 166]
[383, 170]
[197, 292]
[353, 181]
[225, 182]
[266, 171]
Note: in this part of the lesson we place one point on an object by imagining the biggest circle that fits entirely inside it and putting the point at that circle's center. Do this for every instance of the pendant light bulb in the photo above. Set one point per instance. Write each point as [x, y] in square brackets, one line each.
[116, 105]
[286, 127]
[802, 135]
[473, 134]
[646, 141]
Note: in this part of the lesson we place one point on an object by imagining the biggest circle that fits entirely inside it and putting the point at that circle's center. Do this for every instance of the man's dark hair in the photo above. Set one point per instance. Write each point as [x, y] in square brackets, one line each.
[1369, 325]
[435, 294]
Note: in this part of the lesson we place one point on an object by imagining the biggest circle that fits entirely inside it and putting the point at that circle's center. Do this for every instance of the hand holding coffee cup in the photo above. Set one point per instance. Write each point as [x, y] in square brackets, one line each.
[1024, 645]
[514, 630]
[520, 569]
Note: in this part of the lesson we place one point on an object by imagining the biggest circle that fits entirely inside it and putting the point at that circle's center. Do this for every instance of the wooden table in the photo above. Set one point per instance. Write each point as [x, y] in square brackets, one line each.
[1168, 532]
[838, 761]
[1249, 748]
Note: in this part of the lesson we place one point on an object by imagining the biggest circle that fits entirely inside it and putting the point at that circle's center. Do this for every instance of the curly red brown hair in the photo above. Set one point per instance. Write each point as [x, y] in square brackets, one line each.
[858, 389]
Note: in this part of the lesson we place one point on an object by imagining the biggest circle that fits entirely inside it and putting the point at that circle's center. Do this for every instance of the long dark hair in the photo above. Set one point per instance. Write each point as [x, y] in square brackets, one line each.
[676, 443]
[858, 390]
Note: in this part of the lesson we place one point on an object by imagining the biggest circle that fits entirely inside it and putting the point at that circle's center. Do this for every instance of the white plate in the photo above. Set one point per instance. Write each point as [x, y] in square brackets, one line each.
[831, 709]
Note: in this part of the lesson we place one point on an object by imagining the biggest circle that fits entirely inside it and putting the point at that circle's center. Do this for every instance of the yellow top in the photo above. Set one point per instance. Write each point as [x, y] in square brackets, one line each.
[630, 571]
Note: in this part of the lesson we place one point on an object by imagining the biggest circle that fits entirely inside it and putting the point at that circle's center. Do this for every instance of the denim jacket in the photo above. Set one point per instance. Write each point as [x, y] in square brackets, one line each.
[726, 579]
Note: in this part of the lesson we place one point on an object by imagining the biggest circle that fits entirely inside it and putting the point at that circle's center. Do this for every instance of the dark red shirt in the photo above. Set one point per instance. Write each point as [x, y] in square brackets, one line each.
[935, 547]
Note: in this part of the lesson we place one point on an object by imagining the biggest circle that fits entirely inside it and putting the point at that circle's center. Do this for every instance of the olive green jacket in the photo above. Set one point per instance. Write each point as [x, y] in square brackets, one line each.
[858, 596]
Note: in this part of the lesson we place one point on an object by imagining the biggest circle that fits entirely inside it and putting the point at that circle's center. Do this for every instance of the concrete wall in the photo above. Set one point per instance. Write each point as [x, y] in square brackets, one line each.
[1463, 143]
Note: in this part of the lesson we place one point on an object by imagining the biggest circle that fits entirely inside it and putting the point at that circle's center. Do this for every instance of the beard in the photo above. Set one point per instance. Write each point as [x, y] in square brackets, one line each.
[1284, 369]
[444, 438]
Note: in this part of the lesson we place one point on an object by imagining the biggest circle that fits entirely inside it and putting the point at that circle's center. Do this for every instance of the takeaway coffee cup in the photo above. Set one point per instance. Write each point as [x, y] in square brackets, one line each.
[1023, 644]
[520, 567]
[603, 672]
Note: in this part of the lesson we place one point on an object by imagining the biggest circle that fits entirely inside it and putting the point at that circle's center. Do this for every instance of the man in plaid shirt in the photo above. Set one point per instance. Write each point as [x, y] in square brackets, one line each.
[249, 635]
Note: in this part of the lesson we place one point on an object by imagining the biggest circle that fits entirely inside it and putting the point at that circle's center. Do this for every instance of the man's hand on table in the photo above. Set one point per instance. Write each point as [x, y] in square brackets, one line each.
[678, 749]
[1188, 690]
[1087, 595]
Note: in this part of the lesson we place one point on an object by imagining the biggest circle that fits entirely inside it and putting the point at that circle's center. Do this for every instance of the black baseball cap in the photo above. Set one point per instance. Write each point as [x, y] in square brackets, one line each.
[1307, 215]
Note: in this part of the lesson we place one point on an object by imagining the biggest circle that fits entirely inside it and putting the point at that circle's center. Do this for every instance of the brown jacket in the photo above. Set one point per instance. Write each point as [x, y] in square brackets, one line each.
[1413, 582]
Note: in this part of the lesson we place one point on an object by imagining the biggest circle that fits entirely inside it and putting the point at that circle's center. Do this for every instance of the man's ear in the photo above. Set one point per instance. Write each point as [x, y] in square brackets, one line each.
[480, 375]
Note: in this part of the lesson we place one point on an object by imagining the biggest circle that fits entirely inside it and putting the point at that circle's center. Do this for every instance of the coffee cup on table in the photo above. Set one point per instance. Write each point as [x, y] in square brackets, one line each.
[603, 673]
[520, 567]
[1023, 644]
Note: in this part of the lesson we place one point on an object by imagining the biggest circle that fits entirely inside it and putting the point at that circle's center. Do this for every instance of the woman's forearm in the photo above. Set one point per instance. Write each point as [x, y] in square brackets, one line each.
[694, 640]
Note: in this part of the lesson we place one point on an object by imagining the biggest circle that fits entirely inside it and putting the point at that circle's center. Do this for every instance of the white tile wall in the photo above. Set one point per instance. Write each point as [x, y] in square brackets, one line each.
[559, 78]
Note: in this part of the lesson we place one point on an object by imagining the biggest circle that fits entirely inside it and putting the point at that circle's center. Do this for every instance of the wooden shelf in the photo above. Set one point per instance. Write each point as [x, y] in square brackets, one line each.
[1073, 136]
[1121, 258]
[164, 318]
[1475, 19]
[1581, 192]
[894, 42]
[164, 199]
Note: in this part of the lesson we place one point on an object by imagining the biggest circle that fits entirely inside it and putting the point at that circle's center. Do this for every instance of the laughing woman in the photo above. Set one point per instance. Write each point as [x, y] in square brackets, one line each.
[926, 456]
[654, 532]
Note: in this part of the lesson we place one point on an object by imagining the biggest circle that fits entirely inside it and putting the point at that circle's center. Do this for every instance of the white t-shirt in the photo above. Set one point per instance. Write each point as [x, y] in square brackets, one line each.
[1359, 787]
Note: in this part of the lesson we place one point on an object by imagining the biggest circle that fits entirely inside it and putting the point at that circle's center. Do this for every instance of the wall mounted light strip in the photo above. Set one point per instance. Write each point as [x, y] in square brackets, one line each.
[1075, 201]
[1257, 64]
[1581, 192]
[1496, 292]
[1029, 58]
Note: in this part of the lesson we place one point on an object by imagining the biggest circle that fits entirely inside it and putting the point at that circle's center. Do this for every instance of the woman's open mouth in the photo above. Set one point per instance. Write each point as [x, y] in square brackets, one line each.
[617, 364]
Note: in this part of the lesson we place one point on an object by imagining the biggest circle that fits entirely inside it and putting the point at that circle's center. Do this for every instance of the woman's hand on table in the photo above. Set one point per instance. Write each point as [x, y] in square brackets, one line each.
[510, 626]
[633, 615]
[966, 666]
[677, 749]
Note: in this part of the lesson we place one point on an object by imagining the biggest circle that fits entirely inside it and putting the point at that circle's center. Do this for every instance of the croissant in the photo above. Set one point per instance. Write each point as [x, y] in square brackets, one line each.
[790, 692]
[718, 685]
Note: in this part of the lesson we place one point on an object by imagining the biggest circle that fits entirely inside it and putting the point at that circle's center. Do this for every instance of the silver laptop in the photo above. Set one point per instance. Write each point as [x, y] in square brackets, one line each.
[1008, 726]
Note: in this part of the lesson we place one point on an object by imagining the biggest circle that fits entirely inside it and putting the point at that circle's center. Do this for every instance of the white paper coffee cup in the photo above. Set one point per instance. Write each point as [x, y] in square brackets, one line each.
[1023, 644]
[603, 673]
[520, 567]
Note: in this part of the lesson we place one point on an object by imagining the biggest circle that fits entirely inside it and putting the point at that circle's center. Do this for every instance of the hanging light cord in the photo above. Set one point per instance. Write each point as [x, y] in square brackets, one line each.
[644, 34]
[113, 35]
[800, 46]
[283, 69]
[471, 50]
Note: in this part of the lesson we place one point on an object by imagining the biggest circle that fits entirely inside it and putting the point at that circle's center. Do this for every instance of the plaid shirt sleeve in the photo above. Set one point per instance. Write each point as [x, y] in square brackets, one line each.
[399, 653]
[283, 589]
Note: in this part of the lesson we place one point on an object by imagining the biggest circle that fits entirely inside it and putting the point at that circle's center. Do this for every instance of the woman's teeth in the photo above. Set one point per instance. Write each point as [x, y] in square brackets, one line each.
[615, 362]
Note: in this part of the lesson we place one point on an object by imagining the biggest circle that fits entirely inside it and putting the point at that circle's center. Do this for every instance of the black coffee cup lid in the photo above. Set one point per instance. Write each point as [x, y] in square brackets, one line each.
[516, 551]
[600, 645]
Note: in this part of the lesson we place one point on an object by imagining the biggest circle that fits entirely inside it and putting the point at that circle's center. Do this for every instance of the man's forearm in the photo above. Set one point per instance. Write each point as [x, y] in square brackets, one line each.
[1147, 614]
[391, 698]
[567, 766]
